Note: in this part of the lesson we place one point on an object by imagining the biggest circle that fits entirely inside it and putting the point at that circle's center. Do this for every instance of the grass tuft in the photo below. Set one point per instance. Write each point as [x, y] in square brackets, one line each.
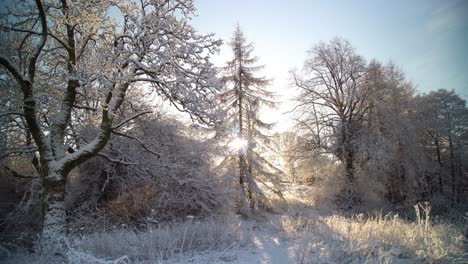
[374, 239]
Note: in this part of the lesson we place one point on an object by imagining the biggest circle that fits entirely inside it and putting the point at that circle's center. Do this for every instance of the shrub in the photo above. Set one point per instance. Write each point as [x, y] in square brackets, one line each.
[168, 178]
[165, 243]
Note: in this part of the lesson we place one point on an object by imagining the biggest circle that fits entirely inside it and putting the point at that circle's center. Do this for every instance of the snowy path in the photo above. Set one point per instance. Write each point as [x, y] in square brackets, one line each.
[261, 244]
[267, 246]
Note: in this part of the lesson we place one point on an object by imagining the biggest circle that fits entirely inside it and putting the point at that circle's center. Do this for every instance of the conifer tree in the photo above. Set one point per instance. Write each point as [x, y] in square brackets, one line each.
[243, 97]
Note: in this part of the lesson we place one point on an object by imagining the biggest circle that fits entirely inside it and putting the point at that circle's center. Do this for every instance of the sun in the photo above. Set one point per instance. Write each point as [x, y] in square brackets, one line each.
[238, 145]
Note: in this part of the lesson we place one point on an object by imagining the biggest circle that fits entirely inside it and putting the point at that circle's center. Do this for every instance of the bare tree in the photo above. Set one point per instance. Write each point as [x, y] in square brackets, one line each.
[62, 53]
[332, 102]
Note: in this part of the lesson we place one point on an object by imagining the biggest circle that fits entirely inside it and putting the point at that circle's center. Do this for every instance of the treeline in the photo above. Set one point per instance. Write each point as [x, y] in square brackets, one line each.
[392, 145]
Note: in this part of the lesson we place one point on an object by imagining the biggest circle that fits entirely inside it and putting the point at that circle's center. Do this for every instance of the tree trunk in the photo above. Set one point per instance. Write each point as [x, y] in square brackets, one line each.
[292, 171]
[452, 169]
[54, 222]
[243, 207]
[395, 192]
[349, 165]
[439, 160]
[429, 191]
[350, 193]
[460, 183]
[347, 152]
[251, 192]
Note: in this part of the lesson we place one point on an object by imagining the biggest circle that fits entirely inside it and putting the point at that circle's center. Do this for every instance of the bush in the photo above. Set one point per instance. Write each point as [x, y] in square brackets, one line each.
[166, 243]
[20, 210]
[168, 178]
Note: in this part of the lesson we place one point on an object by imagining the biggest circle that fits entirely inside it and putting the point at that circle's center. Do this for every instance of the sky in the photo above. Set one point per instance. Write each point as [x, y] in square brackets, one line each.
[427, 39]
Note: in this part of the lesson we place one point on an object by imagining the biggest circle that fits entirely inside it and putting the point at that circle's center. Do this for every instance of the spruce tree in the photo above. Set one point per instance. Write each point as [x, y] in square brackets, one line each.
[243, 96]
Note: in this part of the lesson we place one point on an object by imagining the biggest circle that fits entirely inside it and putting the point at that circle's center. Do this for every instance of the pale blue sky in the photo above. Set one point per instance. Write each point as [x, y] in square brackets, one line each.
[428, 39]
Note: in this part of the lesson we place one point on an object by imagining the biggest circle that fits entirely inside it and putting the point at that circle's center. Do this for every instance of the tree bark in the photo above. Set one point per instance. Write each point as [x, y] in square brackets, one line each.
[452, 169]
[243, 207]
[54, 226]
[349, 191]
[439, 160]
[460, 183]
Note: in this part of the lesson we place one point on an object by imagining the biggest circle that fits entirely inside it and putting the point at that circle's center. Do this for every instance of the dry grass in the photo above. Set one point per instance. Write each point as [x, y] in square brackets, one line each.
[158, 244]
[377, 239]
[322, 236]
[164, 242]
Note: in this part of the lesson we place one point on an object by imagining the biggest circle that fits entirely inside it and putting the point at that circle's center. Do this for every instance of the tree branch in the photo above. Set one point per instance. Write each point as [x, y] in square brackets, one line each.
[140, 142]
[129, 119]
[17, 151]
[33, 59]
[15, 71]
[85, 107]
[115, 160]
[11, 113]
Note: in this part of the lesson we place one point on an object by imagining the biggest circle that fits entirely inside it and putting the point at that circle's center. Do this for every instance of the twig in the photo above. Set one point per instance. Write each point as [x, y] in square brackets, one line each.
[140, 142]
[115, 160]
[130, 118]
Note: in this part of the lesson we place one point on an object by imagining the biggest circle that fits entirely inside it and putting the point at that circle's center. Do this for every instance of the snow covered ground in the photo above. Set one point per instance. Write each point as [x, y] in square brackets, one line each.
[312, 240]
[261, 243]
[300, 233]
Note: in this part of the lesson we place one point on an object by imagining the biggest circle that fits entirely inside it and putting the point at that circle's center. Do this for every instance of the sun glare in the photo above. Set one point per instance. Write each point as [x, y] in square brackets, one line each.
[238, 145]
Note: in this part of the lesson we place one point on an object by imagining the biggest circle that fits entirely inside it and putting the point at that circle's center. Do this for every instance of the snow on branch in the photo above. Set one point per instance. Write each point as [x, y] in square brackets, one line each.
[13, 69]
[130, 118]
[11, 113]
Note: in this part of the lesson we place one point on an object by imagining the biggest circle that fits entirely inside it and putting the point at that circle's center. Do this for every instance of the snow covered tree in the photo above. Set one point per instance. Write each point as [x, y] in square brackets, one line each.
[444, 121]
[71, 57]
[454, 121]
[388, 139]
[242, 99]
[332, 103]
[287, 147]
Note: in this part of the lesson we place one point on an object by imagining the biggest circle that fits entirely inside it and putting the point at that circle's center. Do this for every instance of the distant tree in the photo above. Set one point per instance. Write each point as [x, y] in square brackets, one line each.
[446, 125]
[389, 139]
[287, 147]
[242, 98]
[332, 104]
[431, 135]
[391, 144]
[67, 58]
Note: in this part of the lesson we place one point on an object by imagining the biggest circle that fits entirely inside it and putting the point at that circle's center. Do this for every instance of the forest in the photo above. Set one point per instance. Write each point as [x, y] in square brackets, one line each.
[121, 141]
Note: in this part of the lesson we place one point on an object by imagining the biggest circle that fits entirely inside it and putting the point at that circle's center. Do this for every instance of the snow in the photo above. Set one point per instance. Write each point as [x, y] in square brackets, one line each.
[269, 247]
[304, 234]
[261, 243]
